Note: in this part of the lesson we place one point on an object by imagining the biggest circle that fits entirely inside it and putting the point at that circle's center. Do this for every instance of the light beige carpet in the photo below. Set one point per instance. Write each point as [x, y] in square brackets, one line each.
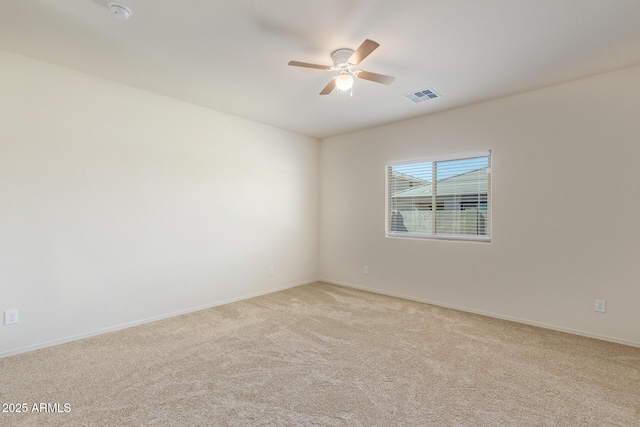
[327, 355]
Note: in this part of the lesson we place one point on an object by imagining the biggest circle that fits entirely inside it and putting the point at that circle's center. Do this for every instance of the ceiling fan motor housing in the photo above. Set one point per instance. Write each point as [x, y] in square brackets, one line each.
[341, 58]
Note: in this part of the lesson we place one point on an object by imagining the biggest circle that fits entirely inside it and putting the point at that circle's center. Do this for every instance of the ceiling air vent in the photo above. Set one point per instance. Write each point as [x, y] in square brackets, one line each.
[422, 96]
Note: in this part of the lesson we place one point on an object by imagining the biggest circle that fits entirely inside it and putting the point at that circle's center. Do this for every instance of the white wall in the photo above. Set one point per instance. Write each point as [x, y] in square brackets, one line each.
[118, 205]
[575, 147]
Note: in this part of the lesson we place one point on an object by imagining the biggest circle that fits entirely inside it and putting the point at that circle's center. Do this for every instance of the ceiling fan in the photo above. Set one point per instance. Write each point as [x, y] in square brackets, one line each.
[344, 62]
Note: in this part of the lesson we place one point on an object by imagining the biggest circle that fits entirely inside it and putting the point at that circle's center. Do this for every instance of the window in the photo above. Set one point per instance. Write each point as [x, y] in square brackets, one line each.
[443, 199]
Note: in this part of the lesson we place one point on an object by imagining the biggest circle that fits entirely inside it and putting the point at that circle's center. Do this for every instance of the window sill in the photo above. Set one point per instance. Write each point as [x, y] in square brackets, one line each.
[423, 236]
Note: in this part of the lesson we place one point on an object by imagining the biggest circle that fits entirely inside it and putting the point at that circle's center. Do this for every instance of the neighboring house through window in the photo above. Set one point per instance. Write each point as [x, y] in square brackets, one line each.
[440, 198]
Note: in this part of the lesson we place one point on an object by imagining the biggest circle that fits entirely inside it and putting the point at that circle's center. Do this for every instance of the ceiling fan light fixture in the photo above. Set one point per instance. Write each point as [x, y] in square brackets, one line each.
[344, 82]
[344, 61]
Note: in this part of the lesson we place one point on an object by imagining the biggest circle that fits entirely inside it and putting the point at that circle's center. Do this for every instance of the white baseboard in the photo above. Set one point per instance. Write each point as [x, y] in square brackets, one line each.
[489, 314]
[26, 349]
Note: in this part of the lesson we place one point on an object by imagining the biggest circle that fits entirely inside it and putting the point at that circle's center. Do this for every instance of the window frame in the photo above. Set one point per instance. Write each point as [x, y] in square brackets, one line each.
[439, 236]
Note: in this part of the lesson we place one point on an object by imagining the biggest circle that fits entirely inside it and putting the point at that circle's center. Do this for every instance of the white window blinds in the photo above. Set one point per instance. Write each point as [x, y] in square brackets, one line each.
[449, 198]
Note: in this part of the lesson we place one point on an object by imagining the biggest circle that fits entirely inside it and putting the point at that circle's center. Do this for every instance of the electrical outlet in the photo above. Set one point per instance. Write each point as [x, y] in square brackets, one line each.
[10, 317]
[366, 269]
[601, 305]
[271, 271]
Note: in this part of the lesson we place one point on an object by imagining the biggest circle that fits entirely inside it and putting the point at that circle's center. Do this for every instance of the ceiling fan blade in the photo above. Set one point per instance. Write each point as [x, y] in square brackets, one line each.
[307, 65]
[363, 51]
[374, 77]
[329, 87]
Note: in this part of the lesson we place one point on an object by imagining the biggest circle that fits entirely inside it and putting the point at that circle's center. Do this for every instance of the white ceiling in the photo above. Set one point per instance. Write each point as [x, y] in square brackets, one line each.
[231, 55]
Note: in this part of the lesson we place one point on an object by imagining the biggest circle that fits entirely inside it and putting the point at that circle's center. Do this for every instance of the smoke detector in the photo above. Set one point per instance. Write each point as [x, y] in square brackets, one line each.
[121, 11]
